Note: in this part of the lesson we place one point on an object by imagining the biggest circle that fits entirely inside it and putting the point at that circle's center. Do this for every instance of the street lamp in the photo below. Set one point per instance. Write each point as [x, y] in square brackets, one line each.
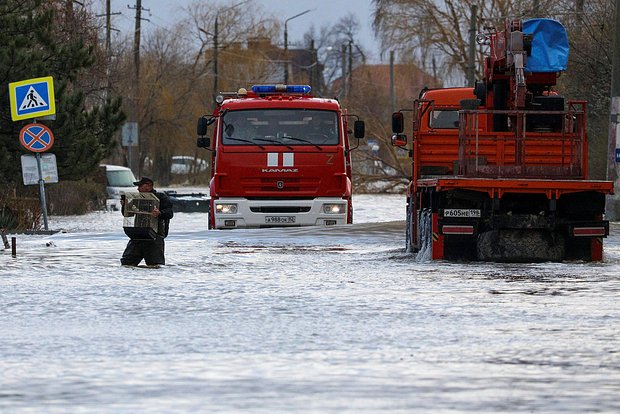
[286, 43]
[215, 43]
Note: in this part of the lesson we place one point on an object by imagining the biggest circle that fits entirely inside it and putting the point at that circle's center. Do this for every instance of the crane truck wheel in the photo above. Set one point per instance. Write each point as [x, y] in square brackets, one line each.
[425, 236]
[513, 245]
[408, 227]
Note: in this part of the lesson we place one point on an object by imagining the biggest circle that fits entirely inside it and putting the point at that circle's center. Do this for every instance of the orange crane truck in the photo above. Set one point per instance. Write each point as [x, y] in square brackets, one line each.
[500, 170]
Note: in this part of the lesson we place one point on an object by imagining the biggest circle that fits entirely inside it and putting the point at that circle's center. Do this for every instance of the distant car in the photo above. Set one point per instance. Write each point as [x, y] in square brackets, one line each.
[189, 202]
[118, 179]
[184, 164]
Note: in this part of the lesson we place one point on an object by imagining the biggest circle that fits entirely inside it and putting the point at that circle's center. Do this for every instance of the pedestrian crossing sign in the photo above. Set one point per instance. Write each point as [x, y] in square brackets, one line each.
[32, 98]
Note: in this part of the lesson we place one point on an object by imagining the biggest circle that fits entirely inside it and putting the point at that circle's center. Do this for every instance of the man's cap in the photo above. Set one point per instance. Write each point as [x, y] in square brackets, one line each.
[143, 180]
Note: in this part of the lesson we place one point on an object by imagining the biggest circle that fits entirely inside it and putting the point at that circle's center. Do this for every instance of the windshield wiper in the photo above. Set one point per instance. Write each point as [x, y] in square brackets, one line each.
[302, 140]
[246, 140]
[274, 141]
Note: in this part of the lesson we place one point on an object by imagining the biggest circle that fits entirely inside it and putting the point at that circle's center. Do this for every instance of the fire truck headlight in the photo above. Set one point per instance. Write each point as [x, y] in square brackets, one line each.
[334, 208]
[226, 208]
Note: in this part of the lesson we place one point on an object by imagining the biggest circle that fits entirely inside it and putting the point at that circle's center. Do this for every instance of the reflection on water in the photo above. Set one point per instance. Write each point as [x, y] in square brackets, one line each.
[312, 320]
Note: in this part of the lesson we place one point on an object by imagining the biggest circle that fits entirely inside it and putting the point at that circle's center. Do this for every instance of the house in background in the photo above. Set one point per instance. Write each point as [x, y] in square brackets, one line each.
[260, 61]
[366, 91]
[372, 82]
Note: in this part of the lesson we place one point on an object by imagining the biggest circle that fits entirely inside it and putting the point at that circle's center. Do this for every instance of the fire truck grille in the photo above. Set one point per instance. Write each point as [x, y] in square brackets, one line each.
[255, 186]
[280, 209]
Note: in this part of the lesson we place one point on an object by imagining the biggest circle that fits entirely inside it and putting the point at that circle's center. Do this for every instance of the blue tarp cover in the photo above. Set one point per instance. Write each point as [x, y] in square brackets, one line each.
[549, 45]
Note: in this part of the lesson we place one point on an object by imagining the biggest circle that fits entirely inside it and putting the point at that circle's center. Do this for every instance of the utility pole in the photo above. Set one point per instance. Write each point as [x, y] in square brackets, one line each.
[286, 42]
[136, 82]
[392, 93]
[579, 18]
[314, 69]
[216, 47]
[471, 67]
[69, 8]
[343, 59]
[136, 56]
[285, 53]
[108, 44]
[613, 155]
[350, 75]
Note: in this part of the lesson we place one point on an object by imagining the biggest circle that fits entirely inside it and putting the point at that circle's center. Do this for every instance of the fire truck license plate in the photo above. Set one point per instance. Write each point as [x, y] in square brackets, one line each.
[461, 212]
[280, 219]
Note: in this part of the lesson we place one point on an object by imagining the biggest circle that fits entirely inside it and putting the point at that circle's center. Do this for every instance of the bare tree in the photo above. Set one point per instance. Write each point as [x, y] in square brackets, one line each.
[590, 30]
[435, 34]
[339, 50]
[228, 36]
[169, 100]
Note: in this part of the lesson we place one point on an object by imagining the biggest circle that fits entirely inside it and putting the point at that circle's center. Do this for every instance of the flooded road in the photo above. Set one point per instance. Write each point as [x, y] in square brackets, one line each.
[302, 320]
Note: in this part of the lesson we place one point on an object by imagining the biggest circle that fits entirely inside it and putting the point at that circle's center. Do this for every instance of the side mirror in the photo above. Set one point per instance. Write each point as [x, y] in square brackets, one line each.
[399, 140]
[359, 129]
[203, 142]
[203, 123]
[398, 123]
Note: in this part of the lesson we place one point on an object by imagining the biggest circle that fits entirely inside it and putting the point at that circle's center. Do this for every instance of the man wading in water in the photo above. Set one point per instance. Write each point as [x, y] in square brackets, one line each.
[152, 251]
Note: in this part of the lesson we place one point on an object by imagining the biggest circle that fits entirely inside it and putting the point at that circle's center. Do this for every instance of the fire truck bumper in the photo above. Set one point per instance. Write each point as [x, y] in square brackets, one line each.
[232, 213]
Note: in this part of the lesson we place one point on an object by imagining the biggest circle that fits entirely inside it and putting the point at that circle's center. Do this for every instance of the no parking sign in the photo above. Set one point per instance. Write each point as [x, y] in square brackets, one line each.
[36, 137]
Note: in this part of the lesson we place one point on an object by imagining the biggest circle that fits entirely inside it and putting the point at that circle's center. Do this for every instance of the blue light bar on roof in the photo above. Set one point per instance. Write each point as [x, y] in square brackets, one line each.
[262, 89]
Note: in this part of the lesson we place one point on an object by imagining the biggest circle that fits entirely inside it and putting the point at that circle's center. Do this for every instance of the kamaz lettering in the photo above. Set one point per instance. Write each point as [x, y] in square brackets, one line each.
[280, 170]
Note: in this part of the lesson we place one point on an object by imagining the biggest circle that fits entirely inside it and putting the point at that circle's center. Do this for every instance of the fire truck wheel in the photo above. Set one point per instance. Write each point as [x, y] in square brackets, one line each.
[520, 246]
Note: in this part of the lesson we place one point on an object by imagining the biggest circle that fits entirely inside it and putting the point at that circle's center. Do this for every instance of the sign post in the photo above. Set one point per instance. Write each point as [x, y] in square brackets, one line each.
[130, 140]
[42, 191]
[30, 172]
[32, 98]
[38, 138]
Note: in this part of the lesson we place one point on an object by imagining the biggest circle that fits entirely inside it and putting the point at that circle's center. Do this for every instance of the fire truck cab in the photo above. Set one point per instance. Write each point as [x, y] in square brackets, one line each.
[280, 157]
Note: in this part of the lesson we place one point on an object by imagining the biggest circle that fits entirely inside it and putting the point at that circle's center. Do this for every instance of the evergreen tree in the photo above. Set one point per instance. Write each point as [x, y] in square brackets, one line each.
[39, 38]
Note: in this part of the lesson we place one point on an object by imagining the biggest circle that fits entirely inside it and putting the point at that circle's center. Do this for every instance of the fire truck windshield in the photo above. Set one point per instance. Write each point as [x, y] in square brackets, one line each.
[288, 127]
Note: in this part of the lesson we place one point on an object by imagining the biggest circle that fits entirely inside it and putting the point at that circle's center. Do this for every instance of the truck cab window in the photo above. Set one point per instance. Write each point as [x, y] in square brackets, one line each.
[445, 119]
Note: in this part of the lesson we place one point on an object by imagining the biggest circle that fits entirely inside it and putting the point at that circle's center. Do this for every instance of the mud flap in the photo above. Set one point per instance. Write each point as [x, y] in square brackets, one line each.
[430, 240]
[596, 249]
[437, 239]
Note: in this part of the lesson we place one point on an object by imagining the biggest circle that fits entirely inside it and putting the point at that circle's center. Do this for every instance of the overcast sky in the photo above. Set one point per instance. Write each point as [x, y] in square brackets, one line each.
[164, 13]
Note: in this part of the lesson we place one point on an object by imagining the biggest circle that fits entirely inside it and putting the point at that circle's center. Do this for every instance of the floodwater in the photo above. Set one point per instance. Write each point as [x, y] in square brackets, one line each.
[303, 320]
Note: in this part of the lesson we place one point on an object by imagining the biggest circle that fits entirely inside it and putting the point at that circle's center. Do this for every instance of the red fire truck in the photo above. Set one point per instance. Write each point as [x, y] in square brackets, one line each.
[500, 171]
[280, 157]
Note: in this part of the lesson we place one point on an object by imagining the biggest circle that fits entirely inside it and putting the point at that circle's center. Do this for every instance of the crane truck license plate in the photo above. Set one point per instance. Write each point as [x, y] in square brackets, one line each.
[280, 219]
[461, 212]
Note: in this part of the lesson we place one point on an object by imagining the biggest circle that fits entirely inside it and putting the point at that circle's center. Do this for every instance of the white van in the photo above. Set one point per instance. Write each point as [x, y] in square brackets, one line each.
[118, 179]
[183, 164]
